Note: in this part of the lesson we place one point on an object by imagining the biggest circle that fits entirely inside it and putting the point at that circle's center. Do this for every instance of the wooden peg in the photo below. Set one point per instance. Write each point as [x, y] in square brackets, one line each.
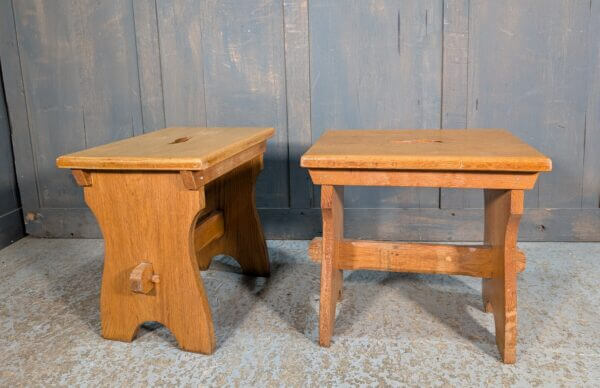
[192, 180]
[142, 278]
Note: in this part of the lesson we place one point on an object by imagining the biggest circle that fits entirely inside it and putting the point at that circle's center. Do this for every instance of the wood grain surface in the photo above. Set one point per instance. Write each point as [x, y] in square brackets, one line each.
[376, 64]
[155, 229]
[332, 206]
[243, 238]
[159, 231]
[503, 209]
[433, 178]
[470, 260]
[177, 148]
[463, 150]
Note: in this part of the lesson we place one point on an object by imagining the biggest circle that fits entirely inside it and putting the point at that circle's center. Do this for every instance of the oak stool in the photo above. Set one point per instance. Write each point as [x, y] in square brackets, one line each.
[167, 202]
[493, 160]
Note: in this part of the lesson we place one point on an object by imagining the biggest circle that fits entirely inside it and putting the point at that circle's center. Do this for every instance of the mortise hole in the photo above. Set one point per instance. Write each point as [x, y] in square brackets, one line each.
[412, 141]
[180, 140]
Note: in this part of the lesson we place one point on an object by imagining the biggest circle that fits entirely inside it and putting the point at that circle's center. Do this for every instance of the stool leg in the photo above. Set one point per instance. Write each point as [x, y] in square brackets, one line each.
[243, 239]
[332, 207]
[503, 209]
[147, 219]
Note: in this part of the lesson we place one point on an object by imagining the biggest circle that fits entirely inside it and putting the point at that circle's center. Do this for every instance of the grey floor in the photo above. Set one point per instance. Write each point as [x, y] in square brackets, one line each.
[392, 328]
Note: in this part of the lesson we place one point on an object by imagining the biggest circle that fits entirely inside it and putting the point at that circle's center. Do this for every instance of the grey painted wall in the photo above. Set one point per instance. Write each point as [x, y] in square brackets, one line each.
[80, 73]
[11, 217]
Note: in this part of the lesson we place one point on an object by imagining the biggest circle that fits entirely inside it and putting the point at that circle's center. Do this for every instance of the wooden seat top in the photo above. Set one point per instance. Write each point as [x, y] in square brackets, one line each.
[425, 149]
[176, 148]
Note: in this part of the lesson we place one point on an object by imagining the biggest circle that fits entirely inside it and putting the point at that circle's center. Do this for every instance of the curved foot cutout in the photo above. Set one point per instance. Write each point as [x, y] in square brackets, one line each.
[150, 270]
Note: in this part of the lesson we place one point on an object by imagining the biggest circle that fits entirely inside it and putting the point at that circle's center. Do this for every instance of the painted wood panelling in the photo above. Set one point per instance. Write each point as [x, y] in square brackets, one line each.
[377, 64]
[11, 218]
[8, 194]
[105, 47]
[455, 69]
[52, 76]
[528, 73]
[231, 76]
[150, 72]
[590, 196]
[297, 70]
[182, 61]
[244, 71]
[79, 73]
[15, 99]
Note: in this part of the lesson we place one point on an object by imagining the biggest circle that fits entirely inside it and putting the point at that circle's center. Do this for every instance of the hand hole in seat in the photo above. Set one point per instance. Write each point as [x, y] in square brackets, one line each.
[411, 141]
[180, 140]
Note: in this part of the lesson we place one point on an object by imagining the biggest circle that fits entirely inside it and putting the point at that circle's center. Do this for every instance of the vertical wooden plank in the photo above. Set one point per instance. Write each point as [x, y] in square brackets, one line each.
[590, 197]
[17, 107]
[503, 210]
[81, 83]
[181, 56]
[9, 198]
[526, 73]
[455, 63]
[377, 64]
[297, 75]
[454, 81]
[332, 279]
[11, 218]
[51, 79]
[245, 81]
[106, 48]
[148, 52]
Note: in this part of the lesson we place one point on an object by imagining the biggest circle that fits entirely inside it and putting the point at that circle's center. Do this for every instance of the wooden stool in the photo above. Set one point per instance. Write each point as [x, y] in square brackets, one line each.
[167, 202]
[493, 160]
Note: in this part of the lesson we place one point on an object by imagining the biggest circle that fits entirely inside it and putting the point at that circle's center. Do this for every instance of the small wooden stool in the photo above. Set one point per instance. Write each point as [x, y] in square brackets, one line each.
[167, 202]
[493, 160]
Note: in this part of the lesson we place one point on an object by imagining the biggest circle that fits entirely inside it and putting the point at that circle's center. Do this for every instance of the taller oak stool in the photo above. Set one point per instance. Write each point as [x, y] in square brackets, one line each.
[493, 160]
[167, 202]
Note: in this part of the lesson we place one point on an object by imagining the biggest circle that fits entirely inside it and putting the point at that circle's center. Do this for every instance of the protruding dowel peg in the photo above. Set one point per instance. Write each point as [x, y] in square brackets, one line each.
[143, 278]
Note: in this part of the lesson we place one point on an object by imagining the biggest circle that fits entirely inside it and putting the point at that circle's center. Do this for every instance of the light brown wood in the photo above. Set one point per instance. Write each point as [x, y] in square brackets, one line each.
[493, 160]
[177, 148]
[454, 150]
[196, 179]
[450, 179]
[83, 178]
[209, 229]
[155, 226]
[161, 224]
[172, 232]
[470, 260]
[142, 278]
[243, 239]
[332, 205]
[503, 210]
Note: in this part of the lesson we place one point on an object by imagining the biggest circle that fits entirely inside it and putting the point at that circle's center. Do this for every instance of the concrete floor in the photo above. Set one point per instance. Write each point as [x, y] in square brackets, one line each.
[392, 328]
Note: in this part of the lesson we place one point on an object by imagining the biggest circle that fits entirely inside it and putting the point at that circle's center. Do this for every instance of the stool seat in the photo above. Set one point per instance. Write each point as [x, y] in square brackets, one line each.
[425, 149]
[176, 148]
